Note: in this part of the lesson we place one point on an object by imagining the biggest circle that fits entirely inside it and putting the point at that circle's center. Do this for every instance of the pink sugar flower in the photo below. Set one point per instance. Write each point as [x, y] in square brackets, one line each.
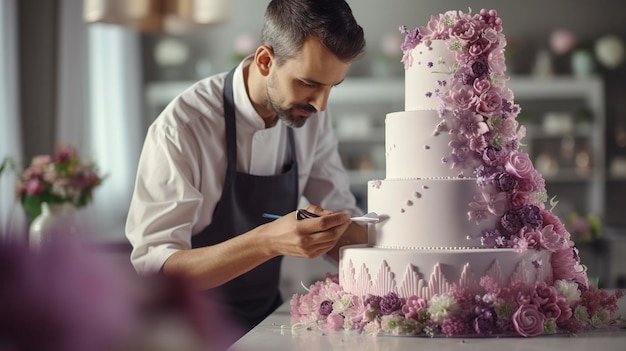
[528, 320]
[566, 310]
[465, 30]
[481, 86]
[563, 261]
[488, 103]
[551, 240]
[519, 165]
[544, 294]
[472, 124]
[461, 95]
[551, 310]
[334, 321]
[413, 306]
[490, 284]
[480, 47]
[532, 237]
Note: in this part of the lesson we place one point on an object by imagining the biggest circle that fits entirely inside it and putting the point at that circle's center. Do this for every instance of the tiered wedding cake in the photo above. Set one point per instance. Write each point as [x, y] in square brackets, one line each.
[466, 243]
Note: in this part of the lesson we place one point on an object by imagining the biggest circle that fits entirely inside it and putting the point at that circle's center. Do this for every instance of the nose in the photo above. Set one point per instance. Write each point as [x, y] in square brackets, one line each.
[319, 100]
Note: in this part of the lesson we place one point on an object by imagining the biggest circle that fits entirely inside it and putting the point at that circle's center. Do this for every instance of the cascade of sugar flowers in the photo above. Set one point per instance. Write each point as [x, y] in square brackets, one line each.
[479, 111]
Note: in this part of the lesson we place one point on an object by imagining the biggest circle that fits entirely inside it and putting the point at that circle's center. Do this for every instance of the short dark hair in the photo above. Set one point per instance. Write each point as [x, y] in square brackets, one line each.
[288, 23]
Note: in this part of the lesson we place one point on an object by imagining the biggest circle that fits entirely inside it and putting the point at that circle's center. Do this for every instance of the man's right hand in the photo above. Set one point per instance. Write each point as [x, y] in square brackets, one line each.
[309, 237]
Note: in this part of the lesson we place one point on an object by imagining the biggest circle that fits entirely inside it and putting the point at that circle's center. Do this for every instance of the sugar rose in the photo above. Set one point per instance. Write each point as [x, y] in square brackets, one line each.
[528, 320]
[519, 165]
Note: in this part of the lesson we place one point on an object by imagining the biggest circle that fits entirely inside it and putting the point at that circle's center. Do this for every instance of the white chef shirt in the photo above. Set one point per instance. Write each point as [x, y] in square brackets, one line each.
[183, 164]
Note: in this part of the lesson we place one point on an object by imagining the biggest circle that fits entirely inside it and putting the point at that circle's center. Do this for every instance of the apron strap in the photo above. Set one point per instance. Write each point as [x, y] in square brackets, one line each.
[231, 131]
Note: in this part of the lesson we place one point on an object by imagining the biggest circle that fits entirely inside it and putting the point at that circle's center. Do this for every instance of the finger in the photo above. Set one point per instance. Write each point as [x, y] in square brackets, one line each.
[324, 223]
[319, 249]
[317, 210]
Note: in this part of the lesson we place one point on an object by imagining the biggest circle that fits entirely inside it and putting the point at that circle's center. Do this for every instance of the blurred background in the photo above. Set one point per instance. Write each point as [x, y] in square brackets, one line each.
[96, 80]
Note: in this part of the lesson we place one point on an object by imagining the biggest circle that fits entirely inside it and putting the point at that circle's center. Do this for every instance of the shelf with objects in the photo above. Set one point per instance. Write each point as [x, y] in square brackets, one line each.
[564, 118]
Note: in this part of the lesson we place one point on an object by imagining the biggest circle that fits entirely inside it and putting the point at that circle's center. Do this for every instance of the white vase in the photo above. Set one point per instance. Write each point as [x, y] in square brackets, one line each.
[57, 223]
[582, 63]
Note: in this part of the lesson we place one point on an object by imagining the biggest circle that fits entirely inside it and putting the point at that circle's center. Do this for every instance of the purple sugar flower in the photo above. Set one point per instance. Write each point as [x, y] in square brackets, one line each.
[511, 222]
[465, 76]
[489, 237]
[390, 303]
[506, 182]
[510, 110]
[486, 172]
[484, 323]
[492, 156]
[454, 326]
[479, 47]
[531, 216]
[479, 67]
[411, 39]
[503, 325]
[326, 308]
[372, 301]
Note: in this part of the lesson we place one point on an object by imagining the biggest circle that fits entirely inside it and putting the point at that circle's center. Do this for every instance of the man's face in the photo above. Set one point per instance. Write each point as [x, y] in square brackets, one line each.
[300, 87]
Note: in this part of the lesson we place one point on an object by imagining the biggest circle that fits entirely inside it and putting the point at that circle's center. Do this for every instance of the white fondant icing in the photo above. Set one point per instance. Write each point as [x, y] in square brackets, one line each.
[437, 218]
[409, 131]
[423, 81]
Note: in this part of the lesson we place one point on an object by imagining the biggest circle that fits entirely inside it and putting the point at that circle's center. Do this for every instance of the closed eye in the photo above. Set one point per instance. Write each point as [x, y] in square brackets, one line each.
[308, 84]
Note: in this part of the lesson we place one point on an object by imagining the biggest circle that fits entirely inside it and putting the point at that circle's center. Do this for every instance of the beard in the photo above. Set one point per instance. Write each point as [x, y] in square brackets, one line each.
[289, 116]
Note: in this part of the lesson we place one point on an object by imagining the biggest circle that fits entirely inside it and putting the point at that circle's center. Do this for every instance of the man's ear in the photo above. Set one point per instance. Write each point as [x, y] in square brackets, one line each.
[263, 59]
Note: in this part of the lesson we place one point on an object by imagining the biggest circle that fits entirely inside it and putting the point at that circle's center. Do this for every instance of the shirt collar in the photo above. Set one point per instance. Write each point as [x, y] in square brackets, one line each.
[243, 105]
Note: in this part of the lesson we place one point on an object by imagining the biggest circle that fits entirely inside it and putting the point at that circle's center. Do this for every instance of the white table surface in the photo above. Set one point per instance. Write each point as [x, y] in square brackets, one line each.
[275, 334]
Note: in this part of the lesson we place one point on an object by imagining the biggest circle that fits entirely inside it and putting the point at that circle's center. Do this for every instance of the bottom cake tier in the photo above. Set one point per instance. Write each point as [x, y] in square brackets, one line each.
[365, 270]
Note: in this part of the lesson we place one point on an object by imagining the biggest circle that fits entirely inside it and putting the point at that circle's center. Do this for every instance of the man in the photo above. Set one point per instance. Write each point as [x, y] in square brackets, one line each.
[240, 144]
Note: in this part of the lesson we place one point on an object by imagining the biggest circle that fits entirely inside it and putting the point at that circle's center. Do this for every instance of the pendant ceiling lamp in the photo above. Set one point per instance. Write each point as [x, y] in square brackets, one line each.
[158, 16]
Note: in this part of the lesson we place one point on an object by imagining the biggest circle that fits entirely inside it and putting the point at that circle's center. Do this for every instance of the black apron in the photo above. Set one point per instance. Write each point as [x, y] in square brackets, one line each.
[251, 297]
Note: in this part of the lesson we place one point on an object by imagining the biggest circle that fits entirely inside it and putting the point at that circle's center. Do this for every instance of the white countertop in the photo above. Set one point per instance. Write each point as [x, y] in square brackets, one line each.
[275, 334]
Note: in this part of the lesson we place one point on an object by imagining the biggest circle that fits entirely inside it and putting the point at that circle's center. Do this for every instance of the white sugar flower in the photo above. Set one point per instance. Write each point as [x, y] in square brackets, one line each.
[569, 290]
[342, 304]
[442, 307]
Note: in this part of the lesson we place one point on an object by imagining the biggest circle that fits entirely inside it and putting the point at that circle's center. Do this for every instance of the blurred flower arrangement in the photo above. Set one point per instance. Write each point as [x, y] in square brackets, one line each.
[60, 178]
[583, 228]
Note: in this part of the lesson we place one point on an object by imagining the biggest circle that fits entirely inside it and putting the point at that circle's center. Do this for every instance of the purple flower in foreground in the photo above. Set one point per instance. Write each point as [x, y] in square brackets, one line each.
[372, 301]
[511, 222]
[411, 39]
[531, 216]
[506, 182]
[390, 303]
[326, 308]
[484, 322]
[454, 326]
[479, 67]
[490, 238]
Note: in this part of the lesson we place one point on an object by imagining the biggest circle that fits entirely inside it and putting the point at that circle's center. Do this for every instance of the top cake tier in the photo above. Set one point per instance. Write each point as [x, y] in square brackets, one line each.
[427, 75]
